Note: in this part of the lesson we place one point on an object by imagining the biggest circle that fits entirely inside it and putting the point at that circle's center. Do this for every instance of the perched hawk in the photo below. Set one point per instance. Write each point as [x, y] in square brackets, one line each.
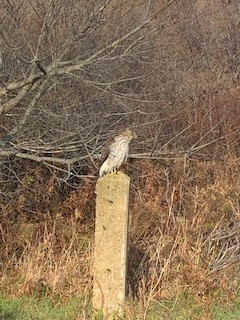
[116, 151]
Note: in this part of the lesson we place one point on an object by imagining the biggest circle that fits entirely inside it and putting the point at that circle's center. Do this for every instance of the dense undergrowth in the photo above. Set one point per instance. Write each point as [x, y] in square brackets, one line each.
[183, 235]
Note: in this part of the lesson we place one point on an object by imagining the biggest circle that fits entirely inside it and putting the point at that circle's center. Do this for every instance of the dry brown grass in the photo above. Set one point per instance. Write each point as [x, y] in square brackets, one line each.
[48, 252]
[54, 259]
[184, 236]
[185, 229]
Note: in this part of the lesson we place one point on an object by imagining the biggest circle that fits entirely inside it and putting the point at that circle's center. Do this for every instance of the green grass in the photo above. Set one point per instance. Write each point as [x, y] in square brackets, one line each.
[183, 309]
[176, 309]
[229, 312]
[186, 308]
[39, 309]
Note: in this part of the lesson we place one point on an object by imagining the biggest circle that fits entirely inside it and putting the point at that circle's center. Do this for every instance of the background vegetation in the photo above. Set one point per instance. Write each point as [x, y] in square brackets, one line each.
[72, 73]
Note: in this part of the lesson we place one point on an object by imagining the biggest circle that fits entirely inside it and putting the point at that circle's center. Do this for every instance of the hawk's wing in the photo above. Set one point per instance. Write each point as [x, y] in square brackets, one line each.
[106, 149]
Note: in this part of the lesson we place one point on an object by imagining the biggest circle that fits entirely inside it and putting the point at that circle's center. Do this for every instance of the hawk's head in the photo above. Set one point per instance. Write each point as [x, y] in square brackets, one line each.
[128, 133]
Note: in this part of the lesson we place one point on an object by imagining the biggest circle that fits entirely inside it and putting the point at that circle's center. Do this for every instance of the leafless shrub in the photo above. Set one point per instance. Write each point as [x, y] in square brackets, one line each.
[75, 72]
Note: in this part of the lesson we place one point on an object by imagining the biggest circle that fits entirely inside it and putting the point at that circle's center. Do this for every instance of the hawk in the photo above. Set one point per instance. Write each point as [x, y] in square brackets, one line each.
[116, 151]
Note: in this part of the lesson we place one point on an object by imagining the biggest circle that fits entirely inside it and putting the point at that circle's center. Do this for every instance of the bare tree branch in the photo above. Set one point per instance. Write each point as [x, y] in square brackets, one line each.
[8, 153]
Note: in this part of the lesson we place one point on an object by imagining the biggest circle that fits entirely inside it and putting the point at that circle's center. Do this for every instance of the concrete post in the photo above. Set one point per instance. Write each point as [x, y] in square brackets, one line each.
[110, 251]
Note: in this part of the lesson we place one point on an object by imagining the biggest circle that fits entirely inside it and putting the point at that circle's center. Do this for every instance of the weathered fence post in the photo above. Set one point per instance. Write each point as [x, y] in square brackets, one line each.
[110, 250]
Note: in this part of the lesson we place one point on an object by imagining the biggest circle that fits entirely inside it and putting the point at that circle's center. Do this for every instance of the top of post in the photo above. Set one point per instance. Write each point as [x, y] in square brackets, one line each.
[112, 183]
